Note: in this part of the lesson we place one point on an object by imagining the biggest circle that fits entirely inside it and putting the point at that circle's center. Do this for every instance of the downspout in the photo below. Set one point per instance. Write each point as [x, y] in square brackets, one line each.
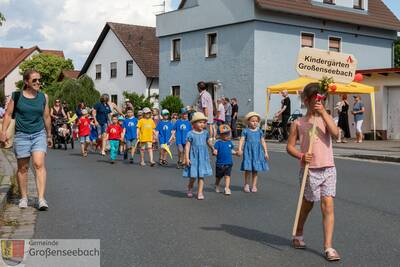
[149, 88]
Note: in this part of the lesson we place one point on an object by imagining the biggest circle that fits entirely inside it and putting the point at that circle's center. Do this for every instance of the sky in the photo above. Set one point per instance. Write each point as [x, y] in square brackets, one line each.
[74, 25]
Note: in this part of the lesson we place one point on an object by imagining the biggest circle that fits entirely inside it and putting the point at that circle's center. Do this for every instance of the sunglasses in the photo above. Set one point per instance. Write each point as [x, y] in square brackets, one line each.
[58, 101]
[36, 80]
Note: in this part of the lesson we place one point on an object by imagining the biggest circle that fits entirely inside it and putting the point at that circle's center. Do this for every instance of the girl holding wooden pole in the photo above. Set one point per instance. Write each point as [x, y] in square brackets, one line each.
[315, 132]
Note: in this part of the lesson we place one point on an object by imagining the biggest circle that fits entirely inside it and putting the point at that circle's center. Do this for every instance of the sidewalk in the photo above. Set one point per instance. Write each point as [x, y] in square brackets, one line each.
[388, 151]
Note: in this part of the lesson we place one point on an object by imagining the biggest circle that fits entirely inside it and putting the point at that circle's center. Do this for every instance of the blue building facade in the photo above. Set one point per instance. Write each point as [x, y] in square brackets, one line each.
[255, 46]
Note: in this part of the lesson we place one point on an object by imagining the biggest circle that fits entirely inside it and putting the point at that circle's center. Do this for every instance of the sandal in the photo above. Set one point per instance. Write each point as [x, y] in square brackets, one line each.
[254, 189]
[142, 164]
[298, 242]
[152, 164]
[331, 255]
[190, 194]
[246, 188]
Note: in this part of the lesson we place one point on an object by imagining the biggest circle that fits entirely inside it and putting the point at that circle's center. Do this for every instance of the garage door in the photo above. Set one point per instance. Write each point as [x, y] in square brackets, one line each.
[393, 113]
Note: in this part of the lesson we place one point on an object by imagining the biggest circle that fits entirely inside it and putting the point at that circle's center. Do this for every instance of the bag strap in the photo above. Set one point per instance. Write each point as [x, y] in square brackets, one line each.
[15, 99]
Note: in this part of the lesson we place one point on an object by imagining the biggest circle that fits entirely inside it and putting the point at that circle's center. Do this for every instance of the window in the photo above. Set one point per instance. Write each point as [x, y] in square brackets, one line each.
[129, 67]
[114, 99]
[176, 90]
[98, 71]
[334, 44]
[307, 40]
[113, 67]
[358, 4]
[332, 2]
[212, 45]
[176, 50]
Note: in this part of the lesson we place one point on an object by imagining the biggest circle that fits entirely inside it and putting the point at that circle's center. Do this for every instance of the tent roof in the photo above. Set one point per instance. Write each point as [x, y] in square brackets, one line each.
[296, 86]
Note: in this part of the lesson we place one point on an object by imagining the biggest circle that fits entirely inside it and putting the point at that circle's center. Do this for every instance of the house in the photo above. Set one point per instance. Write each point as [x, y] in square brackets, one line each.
[124, 58]
[71, 74]
[10, 59]
[387, 83]
[240, 47]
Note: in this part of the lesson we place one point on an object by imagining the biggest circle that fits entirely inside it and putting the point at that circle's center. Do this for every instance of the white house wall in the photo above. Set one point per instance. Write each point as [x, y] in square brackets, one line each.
[111, 50]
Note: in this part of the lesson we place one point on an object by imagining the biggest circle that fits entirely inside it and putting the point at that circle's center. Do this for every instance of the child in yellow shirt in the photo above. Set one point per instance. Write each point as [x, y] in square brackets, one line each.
[146, 132]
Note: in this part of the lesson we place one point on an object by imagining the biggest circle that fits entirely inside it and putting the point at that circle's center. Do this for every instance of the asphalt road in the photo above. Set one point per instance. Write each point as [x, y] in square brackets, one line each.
[143, 218]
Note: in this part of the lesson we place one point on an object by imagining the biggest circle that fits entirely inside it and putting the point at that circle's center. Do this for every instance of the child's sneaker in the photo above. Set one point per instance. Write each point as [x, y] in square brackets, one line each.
[227, 192]
[23, 203]
[246, 188]
[190, 194]
[254, 189]
[125, 155]
[200, 196]
[217, 189]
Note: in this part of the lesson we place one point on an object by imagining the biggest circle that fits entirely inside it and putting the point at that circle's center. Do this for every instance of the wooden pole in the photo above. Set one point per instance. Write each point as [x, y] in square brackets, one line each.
[304, 179]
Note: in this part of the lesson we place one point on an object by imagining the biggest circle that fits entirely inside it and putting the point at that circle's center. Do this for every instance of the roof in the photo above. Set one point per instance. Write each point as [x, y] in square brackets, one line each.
[12, 57]
[378, 15]
[53, 52]
[140, 42]
[384, 71]
[72, 74]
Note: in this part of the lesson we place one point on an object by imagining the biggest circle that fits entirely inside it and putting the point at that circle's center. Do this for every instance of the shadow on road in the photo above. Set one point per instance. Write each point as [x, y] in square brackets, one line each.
[270, 240]
[173, 193]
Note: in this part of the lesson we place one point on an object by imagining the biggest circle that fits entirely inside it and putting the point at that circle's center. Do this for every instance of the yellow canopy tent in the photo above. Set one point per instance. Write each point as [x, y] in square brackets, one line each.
[296, 86]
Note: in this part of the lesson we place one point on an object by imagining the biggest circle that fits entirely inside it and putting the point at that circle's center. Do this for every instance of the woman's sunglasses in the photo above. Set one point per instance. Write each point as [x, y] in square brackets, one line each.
[36, 80]
[58, 101]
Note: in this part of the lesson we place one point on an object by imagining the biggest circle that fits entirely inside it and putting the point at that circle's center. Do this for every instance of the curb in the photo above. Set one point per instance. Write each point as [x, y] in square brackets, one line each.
[375, 157]
[9, 171]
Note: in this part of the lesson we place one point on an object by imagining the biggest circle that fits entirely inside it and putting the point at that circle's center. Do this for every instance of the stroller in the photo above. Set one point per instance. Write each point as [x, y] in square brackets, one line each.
[274, 130]
[62, 134]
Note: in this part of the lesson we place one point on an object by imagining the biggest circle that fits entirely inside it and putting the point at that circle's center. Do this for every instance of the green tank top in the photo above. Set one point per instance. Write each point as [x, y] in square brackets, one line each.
[29, 113]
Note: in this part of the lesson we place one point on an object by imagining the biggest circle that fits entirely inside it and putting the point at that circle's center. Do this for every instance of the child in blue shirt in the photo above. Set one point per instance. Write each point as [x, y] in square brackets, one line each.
[130, 128]
[179, 133]
[223, 166]
[93, 137]
[164, 130]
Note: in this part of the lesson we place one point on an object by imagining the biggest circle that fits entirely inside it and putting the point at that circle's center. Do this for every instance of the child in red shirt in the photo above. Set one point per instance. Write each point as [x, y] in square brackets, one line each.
[84, 132]
[115, 134]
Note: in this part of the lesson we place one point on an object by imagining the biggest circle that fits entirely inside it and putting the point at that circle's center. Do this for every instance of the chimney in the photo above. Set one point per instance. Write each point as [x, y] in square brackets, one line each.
[21, 47]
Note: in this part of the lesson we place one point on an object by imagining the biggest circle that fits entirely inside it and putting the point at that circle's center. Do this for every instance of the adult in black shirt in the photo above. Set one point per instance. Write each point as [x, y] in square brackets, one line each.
[285, 112]
[235, 113]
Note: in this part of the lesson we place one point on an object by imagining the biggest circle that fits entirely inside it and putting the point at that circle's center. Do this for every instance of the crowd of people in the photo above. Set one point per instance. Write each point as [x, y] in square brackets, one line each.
[197, 134]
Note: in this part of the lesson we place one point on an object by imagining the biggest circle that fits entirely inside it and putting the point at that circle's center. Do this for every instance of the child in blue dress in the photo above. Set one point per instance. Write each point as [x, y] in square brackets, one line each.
[164, 130]
[179, 133]
[197, 159]
[254, 150]
[93, 135]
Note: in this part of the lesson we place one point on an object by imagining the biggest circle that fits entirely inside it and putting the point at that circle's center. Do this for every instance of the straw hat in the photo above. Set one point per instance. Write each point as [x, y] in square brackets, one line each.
[198, 116]
[252, 114]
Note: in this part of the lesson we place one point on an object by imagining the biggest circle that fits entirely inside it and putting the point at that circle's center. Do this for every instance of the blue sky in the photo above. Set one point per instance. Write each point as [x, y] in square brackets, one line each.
[74, 25]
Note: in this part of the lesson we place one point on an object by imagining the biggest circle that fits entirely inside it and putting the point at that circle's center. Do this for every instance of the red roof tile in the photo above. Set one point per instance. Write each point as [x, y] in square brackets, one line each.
[53, 52]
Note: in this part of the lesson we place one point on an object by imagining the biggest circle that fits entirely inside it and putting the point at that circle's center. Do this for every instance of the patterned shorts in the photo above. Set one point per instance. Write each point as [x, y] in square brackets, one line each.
[320, 183]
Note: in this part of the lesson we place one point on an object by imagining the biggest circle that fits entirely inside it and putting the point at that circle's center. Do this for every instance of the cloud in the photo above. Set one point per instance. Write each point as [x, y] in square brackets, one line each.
[70, 25]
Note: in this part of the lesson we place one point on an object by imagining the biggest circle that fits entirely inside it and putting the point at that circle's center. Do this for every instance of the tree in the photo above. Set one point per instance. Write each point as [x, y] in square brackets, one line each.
[49, 66]
[397, 53]
[74, 91]
[2, 19]
[138, 101]
[172, 103]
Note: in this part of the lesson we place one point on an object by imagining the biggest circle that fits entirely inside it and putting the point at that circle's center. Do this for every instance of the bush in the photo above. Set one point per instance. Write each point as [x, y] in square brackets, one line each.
[138, 101]
[172, 103]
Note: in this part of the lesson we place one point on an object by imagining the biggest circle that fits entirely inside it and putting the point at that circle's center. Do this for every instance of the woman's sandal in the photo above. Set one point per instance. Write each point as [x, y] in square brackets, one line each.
[331, 255]
[298, 242]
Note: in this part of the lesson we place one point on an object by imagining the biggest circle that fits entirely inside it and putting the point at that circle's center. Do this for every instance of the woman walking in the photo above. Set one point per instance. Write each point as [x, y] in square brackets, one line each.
[343, 122]
[32, 135]
[358, 112]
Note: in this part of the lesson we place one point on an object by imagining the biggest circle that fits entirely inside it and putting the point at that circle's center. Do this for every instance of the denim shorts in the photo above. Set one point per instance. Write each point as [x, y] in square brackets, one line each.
[84, 139]
[130, 142]
[25, 144]
[102, 128]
